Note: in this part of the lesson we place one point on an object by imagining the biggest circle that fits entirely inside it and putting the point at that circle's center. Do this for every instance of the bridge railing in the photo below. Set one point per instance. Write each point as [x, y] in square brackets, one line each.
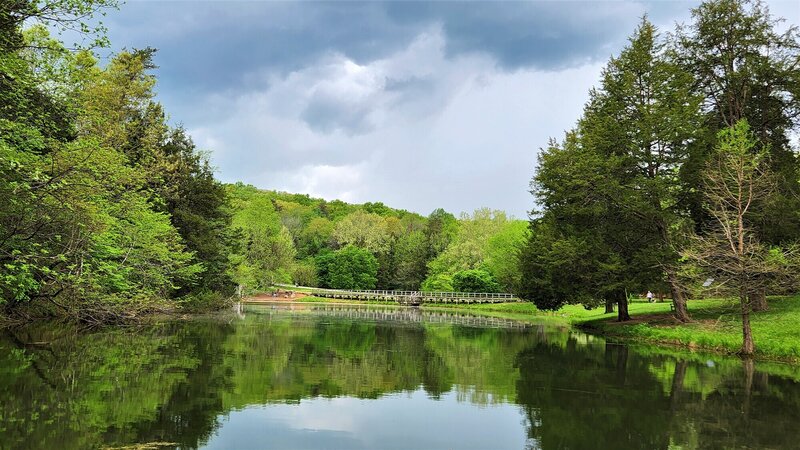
[424, 295]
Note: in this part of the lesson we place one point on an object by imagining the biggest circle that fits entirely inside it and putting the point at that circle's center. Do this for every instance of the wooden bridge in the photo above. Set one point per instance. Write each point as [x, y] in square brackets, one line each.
[415, 298]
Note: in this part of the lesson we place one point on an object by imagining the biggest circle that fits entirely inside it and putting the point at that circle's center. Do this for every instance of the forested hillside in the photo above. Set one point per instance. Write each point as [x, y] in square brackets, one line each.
[292, 238]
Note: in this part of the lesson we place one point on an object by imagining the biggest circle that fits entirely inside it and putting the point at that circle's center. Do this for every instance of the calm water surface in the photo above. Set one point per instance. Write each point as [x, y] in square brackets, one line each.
[315, 376]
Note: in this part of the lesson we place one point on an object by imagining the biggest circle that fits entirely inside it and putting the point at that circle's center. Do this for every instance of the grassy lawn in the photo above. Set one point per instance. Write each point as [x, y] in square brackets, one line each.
[717, 326]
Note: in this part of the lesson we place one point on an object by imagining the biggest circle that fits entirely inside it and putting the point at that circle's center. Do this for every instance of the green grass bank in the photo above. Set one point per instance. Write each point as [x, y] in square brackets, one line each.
[716, 326]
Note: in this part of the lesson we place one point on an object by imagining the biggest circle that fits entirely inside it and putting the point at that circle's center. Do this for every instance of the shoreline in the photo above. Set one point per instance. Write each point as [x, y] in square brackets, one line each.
[714, 329]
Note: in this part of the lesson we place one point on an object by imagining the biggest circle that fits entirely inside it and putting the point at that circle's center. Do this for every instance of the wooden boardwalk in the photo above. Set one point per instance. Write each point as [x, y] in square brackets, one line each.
[413, 298]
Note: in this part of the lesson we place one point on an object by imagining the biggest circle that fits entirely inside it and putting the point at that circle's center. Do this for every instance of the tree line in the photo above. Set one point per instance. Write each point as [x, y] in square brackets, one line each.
[680, 174]
[293, 238]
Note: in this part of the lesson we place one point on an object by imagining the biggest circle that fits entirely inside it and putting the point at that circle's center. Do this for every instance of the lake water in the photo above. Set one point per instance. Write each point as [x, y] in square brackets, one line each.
[313, 376]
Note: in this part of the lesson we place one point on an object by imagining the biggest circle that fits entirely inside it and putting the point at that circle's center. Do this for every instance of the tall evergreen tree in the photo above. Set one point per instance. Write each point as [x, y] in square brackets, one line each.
[642, 119]
[614, 181]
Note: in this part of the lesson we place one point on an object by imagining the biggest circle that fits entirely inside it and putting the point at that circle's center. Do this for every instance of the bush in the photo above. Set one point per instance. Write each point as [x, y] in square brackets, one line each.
[475, 280]
[438, 283]
[348, 268]
[204, 301]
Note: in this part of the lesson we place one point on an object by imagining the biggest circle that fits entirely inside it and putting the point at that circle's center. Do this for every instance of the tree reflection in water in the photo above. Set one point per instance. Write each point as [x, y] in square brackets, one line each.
[173, 382]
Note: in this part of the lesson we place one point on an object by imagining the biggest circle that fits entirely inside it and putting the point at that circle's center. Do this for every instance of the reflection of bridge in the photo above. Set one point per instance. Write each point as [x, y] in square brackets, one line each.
[396, 315]
[415, 297]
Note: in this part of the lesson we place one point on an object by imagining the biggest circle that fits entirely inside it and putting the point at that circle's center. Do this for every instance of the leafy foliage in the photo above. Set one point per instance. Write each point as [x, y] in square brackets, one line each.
[404, 244]
[103, 205]
[474, 280]
[348, 268]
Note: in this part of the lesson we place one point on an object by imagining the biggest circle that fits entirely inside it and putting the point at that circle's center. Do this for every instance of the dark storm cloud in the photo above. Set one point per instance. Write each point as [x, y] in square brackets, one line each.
[216, 46]
[217, 43]
[539, 35]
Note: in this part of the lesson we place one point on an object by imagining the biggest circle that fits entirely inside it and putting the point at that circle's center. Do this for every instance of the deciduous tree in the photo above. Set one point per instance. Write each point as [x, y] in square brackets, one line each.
[737, 182]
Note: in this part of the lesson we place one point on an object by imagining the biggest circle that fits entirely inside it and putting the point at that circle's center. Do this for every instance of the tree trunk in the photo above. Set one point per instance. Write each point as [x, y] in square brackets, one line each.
[747, 333]
[758, 300]
[678, 300]
[622, 307]
[677, 384]
[609, 306]
[622, 364]
[749, 370]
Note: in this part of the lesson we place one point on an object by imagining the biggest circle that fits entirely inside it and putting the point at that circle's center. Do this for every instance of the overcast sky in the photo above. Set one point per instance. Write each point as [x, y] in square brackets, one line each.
[417, 105]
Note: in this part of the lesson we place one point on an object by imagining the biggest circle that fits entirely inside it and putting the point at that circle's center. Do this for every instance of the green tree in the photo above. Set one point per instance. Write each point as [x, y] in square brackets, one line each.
[474, 280]
[643, 118]
[267, 252]
[503, 255]
[737, 183]
[305, 273]
[364, 230]
[315, 236]
[348, 268]
[746, 68]
[439, 231]
[578, 251]
[410, 253]
[73, 15]
[78, 229]
[199, 209]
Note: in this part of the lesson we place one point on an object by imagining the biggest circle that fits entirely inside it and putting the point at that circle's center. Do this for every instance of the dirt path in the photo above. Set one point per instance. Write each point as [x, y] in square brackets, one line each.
[281, 296]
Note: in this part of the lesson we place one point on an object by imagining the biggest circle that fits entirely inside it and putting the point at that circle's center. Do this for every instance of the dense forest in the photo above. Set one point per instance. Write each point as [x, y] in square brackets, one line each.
[681, 175]
[292, 238]
[105, 209]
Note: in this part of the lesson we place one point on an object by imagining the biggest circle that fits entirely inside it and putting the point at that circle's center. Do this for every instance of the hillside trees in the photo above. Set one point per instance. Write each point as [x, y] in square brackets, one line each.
[480, 242]
[266, 251]
[403, 243]
[363, 229]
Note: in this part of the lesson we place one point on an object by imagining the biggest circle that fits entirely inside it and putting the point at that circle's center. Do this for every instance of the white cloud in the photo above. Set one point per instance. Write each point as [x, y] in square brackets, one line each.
[416, 130]
[319, 181]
